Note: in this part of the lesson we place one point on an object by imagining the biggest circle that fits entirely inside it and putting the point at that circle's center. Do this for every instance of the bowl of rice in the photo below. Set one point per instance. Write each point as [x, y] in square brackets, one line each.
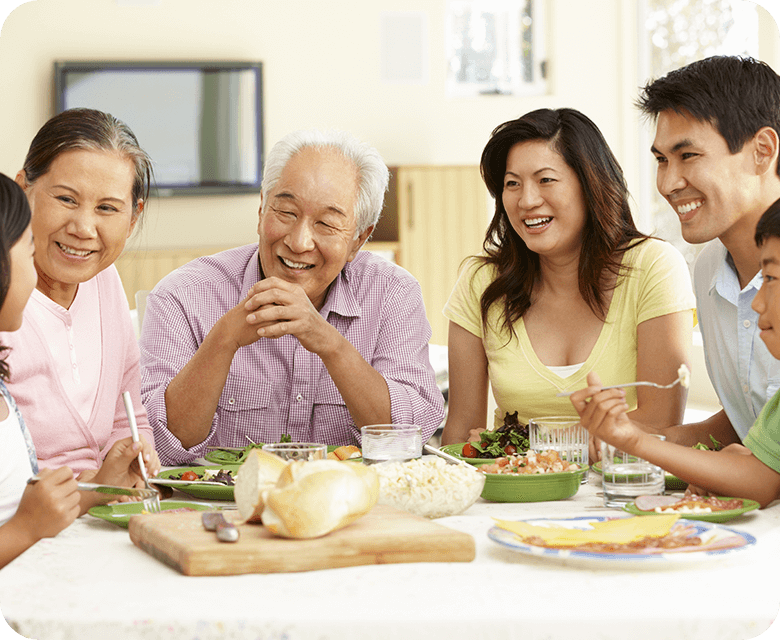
[429, 486]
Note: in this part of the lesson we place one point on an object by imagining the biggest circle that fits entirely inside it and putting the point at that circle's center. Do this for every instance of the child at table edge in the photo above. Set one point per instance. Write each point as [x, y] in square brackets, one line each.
[750, 471]
[29, 513]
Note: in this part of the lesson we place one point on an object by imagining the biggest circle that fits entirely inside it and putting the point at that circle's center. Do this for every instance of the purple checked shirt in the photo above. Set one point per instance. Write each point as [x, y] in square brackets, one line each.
[277, 386]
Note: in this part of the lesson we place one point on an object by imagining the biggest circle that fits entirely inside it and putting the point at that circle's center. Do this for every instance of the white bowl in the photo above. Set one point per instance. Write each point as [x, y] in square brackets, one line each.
[428, 486]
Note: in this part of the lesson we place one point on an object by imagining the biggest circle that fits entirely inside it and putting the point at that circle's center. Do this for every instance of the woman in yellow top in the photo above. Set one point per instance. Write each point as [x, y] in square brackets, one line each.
[566, 285]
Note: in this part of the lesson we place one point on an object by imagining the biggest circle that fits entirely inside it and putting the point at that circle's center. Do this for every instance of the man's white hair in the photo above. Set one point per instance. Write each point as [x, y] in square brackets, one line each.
[373, 175]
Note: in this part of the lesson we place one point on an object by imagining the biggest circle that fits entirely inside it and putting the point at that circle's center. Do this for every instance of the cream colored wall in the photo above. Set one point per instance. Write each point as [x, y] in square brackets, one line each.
[322, 68]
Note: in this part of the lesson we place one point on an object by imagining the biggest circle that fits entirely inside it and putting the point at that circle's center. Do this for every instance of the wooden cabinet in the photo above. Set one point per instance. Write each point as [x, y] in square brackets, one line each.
[434, 217]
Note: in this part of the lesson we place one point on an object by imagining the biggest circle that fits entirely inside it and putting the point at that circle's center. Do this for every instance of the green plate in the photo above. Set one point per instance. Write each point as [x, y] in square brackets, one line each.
[121, 513]
[673, 483]
[197, 490]
[237, 455]
[227, 455]
[715, 516]
[457, 450]
[536, 487]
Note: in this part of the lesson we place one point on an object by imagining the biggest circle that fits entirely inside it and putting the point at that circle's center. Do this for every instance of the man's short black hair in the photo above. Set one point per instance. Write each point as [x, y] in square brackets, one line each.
[737, 95]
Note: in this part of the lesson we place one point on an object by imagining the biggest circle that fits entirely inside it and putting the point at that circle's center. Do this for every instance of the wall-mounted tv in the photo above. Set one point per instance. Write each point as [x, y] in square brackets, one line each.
[201, 122]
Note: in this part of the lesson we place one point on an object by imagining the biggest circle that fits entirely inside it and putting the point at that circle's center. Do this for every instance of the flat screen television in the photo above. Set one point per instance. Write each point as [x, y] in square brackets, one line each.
[201, 122]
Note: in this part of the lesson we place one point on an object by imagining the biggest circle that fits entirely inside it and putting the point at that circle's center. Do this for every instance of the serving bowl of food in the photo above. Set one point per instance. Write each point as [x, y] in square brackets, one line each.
[531, 477]
[429, 486]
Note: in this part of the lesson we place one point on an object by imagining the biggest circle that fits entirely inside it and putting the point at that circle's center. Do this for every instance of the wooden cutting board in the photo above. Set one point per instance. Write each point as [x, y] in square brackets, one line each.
[385, 535]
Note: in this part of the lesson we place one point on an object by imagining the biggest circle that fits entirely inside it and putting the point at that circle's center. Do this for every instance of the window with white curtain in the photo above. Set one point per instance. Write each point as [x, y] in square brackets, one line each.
[495, 47]
[675, 33]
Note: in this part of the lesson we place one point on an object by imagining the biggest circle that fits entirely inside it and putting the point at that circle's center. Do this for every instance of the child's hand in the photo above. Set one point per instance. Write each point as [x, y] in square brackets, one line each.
[49, 505]
[151, 460]
[120, 466]
[603, 413]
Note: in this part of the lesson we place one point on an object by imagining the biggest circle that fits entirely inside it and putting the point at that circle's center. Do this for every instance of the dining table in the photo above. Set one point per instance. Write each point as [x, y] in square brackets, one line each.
[91, 582]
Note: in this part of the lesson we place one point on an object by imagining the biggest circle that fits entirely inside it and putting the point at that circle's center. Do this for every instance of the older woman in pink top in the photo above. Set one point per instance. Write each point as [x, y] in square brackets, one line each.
[86, 179]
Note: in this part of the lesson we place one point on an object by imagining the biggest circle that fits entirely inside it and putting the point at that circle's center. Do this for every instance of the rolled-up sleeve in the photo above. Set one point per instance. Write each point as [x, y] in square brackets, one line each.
[401, 356]
[168, 341]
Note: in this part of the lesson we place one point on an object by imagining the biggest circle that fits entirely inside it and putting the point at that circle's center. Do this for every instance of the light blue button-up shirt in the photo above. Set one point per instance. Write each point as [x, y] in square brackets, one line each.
[742, 371]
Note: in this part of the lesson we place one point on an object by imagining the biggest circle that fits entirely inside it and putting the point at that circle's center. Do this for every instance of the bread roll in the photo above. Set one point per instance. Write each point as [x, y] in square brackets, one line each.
[258, 474]
[314, 498]
[344, 453]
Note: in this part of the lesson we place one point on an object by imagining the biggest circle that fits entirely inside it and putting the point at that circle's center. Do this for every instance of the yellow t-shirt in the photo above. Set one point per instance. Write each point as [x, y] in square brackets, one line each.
[658, 284]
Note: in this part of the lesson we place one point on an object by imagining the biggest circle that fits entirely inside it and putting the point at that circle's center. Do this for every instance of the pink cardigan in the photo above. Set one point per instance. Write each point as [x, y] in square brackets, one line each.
[60, 435]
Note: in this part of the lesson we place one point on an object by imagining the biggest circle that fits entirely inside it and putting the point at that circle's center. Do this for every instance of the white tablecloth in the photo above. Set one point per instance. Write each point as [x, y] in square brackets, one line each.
[91, 582]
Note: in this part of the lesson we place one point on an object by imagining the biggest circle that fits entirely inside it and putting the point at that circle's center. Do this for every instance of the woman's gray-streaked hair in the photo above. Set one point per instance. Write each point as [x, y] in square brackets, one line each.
[373, 175]
[91, 130]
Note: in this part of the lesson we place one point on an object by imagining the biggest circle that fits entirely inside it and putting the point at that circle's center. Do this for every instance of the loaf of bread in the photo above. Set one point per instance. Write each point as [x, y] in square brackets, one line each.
[259, 473]
[314, 498]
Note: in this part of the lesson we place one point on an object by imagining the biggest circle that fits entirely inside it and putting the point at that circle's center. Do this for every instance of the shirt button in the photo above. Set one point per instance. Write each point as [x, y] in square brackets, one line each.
[232, 401]
[746, 324]
[299, 397]
[75, 365]
[746, 389]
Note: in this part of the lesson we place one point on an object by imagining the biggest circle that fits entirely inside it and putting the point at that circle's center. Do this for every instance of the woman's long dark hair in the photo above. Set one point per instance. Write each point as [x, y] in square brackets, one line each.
[609, 227]
[14, 219]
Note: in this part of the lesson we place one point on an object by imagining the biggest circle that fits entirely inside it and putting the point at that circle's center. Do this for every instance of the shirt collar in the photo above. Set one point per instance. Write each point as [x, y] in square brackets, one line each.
[340, 298]
[726, 281]
[251, 273]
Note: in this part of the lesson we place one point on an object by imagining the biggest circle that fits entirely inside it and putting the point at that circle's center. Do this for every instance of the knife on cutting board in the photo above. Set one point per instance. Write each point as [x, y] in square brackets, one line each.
[215, 521]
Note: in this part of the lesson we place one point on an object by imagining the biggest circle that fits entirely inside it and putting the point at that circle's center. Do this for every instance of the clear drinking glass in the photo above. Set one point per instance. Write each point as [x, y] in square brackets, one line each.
[305, 451]
[626, 477]
[563, 434]
[391, 442]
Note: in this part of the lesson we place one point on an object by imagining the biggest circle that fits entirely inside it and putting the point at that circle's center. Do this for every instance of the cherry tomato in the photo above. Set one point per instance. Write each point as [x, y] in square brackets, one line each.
[190, 475]
[510, 449]
[469, 451]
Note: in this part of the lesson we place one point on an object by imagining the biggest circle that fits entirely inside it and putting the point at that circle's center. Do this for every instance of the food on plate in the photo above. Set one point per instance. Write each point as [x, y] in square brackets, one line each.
[532, 462]
[659, 534]
[428, 486]
[688, 504]
[224, 476]
[618, 531]
[347, 452]
[230, 455]
[684, 373]
[314, 498]
[258, 474]
[509, 438]
[236, 455]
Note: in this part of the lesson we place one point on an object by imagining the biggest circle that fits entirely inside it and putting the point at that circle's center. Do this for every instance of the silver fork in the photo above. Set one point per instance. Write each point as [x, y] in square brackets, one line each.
[150, 504]
[566, 394]
[446, 456]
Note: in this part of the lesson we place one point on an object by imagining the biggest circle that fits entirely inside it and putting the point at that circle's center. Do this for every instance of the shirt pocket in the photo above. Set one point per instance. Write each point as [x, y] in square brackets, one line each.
[242, 409]
[329, 407]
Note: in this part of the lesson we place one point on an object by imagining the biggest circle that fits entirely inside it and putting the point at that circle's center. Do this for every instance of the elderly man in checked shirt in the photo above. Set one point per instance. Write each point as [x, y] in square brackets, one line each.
[300, 334]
